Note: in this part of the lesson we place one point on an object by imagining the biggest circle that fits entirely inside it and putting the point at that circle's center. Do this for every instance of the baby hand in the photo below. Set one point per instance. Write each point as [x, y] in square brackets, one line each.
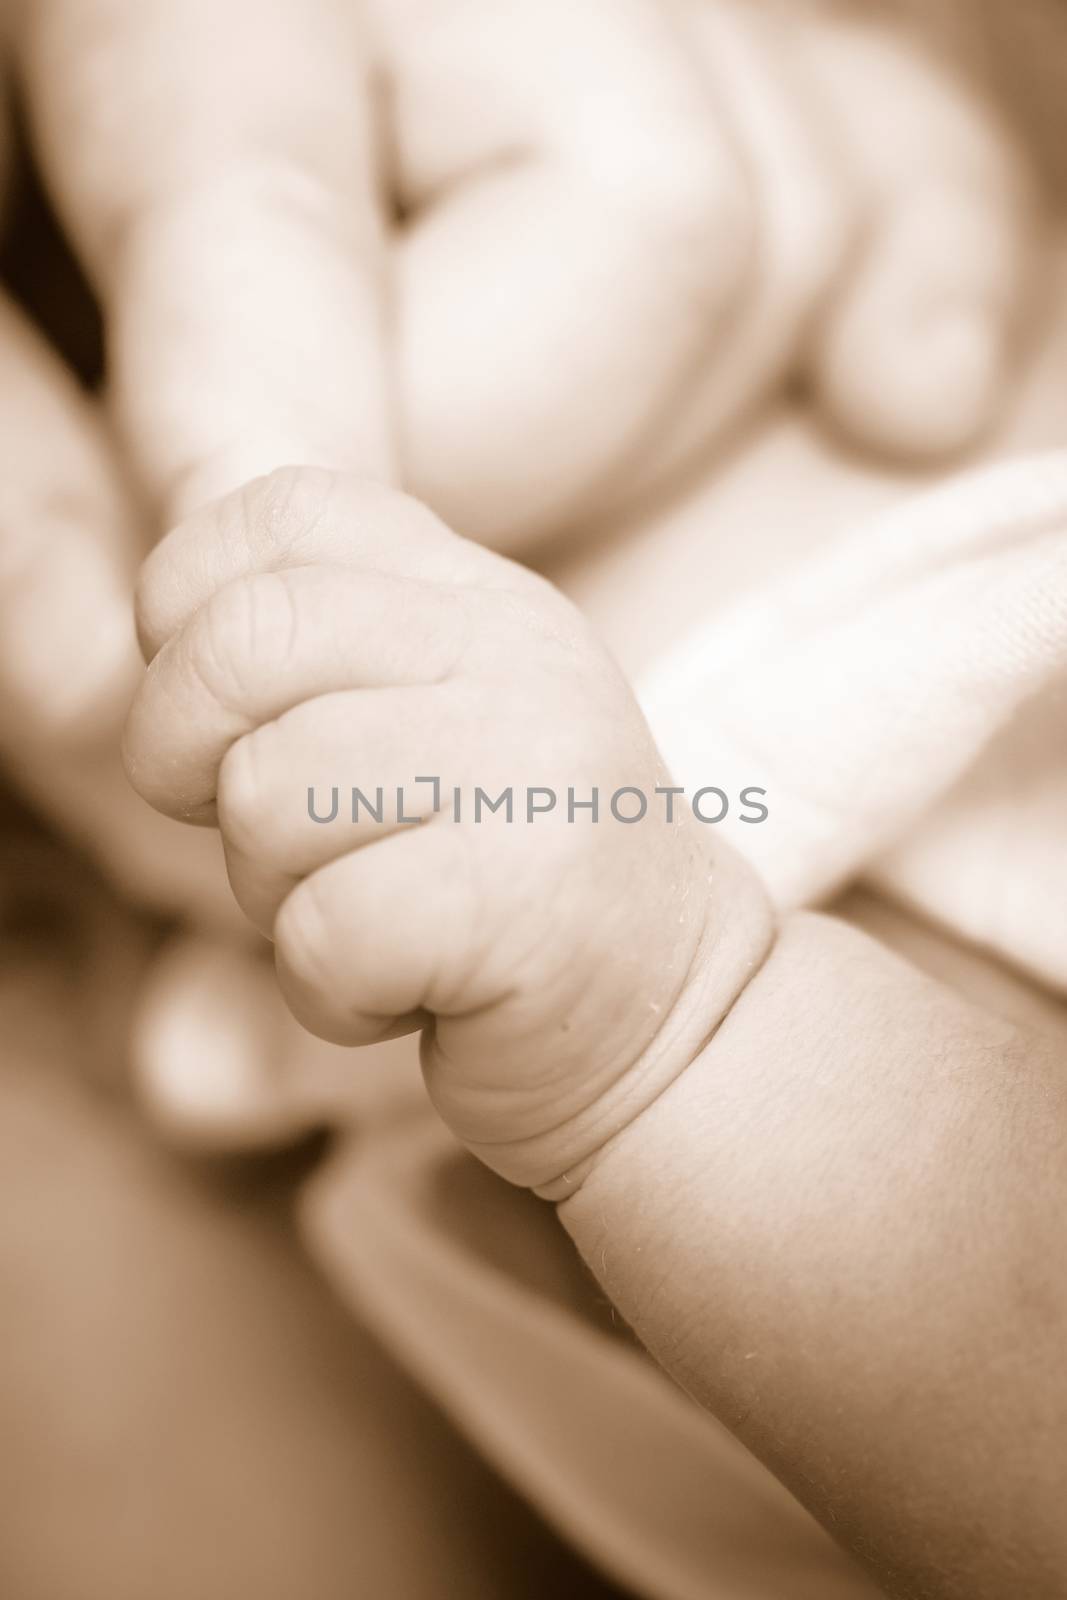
[315, 635]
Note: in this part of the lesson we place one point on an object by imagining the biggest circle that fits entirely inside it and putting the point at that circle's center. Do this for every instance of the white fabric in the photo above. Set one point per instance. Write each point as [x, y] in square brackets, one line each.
[903, 699]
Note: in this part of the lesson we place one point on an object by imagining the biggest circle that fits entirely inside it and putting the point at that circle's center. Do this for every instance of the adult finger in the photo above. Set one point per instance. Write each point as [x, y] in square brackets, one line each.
[69, 662]
[68, 655]
[803, 230]
[577, 226]
[155, 862]
[205, 1047]
[916, 351]
[221, 1063]
[214, 164]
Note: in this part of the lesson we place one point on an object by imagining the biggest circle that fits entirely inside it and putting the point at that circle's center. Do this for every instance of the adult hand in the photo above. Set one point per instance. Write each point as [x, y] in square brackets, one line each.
[620, 224]
[620, 227]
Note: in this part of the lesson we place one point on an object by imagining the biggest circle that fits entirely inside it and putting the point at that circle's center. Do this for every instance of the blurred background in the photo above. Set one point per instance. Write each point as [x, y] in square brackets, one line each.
[186, 1410]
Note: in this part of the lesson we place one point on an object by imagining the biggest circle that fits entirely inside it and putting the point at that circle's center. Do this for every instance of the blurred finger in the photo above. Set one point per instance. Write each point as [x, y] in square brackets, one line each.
[222, 1065]
[215, 166]
[69, 661]
[157, 863]
[802, 231]
[68, 656]
[916, 353]
[578, 225]
[206, 1050]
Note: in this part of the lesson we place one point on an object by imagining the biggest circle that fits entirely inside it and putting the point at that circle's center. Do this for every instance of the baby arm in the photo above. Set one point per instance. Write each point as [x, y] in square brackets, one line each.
[824, 1191]
[841, 1230]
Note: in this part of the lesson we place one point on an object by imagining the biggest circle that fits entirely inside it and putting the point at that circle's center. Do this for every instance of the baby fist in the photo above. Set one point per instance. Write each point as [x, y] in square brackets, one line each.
[438, 796]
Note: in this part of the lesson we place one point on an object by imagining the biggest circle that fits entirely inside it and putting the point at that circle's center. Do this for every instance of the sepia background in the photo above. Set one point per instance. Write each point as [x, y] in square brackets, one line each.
[192, 1405]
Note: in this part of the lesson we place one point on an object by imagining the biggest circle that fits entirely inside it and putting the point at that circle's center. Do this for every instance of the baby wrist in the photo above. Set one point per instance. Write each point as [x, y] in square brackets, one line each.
[738, 936]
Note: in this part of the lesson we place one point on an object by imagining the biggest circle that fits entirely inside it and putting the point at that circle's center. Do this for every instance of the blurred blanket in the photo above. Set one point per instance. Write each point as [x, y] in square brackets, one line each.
[903, 700]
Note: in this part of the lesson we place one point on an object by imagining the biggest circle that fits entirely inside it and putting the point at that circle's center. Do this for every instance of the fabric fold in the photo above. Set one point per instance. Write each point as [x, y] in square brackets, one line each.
[909, 682]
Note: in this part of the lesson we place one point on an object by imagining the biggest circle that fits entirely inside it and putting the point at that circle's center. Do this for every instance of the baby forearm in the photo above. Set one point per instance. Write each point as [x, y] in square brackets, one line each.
[841, 1229]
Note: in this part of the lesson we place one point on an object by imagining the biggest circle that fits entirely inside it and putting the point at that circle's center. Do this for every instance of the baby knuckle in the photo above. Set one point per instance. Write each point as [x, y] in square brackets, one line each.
[244, 633]
[306, 940]
[243, 795]
[281, 511]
